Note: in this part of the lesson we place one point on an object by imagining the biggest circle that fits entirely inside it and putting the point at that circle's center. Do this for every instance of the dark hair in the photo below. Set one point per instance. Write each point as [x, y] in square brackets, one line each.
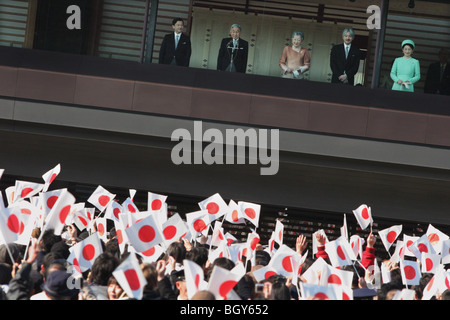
[199, 255]
[175, 20]
[446, 295]
[262, 257]
[49, 239]
[280, 291]
[177, 250]
[102, 269]
[408, 44]
[150, 274]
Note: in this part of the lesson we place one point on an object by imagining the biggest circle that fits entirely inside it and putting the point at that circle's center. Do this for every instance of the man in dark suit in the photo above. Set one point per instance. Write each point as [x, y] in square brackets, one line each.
[176, 46]
[438, 75]
[233, 52]
[344, 59]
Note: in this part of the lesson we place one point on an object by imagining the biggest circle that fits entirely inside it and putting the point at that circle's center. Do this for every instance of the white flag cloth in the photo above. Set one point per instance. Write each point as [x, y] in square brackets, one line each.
[334, 276]
[221, 251]
[84, 253]
[222, 281]
[26, 189]
[344, 229]
[10, 225]
[56, 219]
[318, 292]
[129, 206]
[27, 214]
[102, 229]
[435, 236]
[445, 251]
[421, 245]
[410, 271]
[100, 198]
[408, 241]
[195, 278]
[234, 214]
[173, 229]
[121, 235]
[430, 262]
[155, 201]
[152, 254]
[82, 219]
[113, 210]
[218, 234]
[389, 235]
[405, 294]
[339, 252]
[279, 229]
[215, 205]
[286, 261]
[198, 222]
[312, 274]
[50, 176]
[264, 273]
[399, 252]
[363, 215]
[130, 277]
[435, 284]
[144, 234]
[356, 243]
[251, 211]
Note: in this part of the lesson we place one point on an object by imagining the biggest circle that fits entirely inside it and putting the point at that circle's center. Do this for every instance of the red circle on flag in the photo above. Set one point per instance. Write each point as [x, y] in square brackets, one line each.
[132, 279]
[212, 208]
[253, 243]
[321, 296]
[391, 236]
[156, 204]
[64, 213]
[199, 225]
[116, 212]
[119, 236]
[169, 232]
[101, 229]
[345, 296]
[149, 252]
[53, 177]
[76, 264]
[268, 274]
[234, 215]
[197, 280]
[340, 253]
[335, 279]
[88, 252]
[83, 220]
[428, 264]
[250, 212]
[365, 214]
[25, 192]
[51, 201]
[131, 208]
[146, 233]
[13, 223]
[103, 200]
[280, 235]
[433, 238]
[226, 287]
[287, 264]
[408, 243]
[422, 247]
[410, 272]
[25, 211]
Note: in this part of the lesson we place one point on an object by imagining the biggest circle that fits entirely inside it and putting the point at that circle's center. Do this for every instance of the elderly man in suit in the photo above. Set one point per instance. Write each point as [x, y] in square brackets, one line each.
[233, 52]
[176, 46]
[344, 59]
[438, 75]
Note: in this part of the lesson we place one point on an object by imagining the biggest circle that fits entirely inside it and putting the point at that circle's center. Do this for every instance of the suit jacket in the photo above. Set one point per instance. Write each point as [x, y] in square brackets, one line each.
[339, 64]
[433, 81]
[239, 56]
[182, 53]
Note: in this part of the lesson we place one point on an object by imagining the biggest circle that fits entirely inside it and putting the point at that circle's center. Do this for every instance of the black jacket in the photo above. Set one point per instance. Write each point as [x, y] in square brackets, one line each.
[240, 55]
[182, 53]
[434, 83]
[339, 64]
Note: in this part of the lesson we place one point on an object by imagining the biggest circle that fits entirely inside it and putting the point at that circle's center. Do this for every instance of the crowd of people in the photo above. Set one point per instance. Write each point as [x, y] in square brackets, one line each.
[41, 269]
[295, 60]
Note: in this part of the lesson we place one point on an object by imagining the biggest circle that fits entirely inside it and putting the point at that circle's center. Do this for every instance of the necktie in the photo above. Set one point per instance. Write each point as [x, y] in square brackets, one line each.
[346, 52]
[177, 38]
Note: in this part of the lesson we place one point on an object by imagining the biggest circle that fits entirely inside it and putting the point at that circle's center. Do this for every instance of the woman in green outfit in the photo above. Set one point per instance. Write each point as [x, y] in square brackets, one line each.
[405, 70]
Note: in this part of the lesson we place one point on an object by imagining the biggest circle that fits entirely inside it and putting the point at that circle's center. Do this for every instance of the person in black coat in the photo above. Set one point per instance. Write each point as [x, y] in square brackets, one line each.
[438, 75]
[344, 66]
[233, 52]
[173, 51]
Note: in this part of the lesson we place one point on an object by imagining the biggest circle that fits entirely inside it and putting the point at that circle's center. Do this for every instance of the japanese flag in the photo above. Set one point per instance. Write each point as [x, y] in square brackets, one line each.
[363, 215]
[11, 225]
[251, 212]
[129, 206]
[318, 292]
[279, 228]
[217, 235]
[102, 229]
[84, 253]
[173, 229]
[236, 250]
[410, 271]
[339, 252]
[113, 210]
[215, 206]
[56, 219]
[313, 273]
[48, 199]
[421, 245]
[230, 238]
[271, 244]
[408, 241]
[144, 234]
[221, 251]
[198, 222]
[152, 254]
[234, 214]
[430, 262]
[356, 243]
[195, 278]
[389, 235]
[81, 219]
[222, 281]
[344, 229]
[445, 251]
[26, 189]
[100, 198]
[28, 215]
[399, 252]
[334, 276]
[130, 277]
[252, 241]
[435, 236]
[264, 273]
[50, 176]
[121, 235]
[285, 261]
[155, 201]
[405, 294]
